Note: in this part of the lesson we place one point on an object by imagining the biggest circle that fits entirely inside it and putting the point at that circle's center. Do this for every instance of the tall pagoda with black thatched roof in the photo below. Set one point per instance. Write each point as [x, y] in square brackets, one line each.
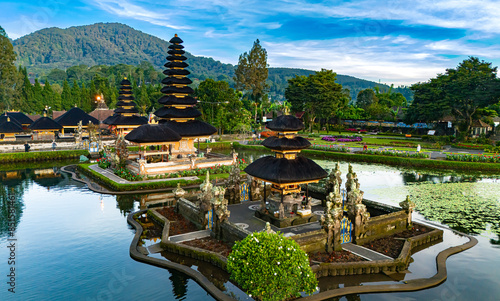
[125, 118]
[286, 170]
[178, 111]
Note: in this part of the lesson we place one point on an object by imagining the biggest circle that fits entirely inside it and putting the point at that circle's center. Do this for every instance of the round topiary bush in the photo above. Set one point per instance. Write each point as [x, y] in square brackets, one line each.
[271, 267]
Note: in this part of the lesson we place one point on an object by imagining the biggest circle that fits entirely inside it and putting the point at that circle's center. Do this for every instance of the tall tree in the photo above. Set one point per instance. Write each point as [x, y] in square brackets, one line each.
[365, 98]
[8, 72]
[472, 85]
[251, 73]
[317, 94]
[220, 105]
[66, 99]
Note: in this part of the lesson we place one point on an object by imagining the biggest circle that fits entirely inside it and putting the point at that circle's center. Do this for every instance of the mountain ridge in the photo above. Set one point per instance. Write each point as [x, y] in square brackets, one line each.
[117, 43]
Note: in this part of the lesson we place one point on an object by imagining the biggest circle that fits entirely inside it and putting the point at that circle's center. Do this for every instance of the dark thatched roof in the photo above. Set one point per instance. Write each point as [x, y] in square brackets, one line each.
[125, 82]
[122, 97]
[117, 119]
[125, 104]
[6, 118]
[123, 92]
[191, 128]
[282, 171]
[170, 72]
[276, 143]
[123, 110]
[173, 89]
[10, 126]
[176, 58]
[165, 112]
[150, 133]
[174, 51]
[176, 40]
[176, 65]
[286, 123]
[173, 100]
[74, 116]
[175, 47]
[45, 123]
[20, 117]
[175, 80]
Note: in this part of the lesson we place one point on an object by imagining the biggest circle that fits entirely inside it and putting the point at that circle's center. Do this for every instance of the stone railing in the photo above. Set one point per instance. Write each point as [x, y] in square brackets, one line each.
[311, 241]
[191, 212]
[384, 225]
[232, 233]
[399, 264]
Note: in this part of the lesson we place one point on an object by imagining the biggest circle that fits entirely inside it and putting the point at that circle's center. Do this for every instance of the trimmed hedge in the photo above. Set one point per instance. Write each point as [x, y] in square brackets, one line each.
[105, 181]
[395, 161]
[42, 156]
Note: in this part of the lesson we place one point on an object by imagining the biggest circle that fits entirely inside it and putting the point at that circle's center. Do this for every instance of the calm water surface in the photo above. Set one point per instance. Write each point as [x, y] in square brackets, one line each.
[72, 244]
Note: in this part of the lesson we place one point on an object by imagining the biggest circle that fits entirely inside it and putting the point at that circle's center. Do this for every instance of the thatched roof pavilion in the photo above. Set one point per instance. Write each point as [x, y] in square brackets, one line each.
[125, 117]
[71, 118]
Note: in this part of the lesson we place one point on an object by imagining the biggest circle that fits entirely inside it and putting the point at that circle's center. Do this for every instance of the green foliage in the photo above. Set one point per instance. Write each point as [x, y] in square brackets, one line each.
[221, 106]
[365, 98]
[41, 156]
[84, 168]
[460, 92]
[466, 207]
[397, 153]
[271, 267]
[473, 158]
[251, 72]
[318, 95]
[126, 174]
[9, 76]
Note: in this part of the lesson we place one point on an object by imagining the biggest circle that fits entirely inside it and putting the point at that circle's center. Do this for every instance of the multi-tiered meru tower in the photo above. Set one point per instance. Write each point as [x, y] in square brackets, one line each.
[178, 111]
[126, 117]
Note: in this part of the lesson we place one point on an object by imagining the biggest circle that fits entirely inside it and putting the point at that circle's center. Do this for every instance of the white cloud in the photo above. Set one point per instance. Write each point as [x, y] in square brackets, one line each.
[126, 9]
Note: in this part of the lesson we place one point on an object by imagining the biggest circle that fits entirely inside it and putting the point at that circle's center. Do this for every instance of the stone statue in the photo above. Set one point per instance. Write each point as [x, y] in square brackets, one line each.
[334, 181]
[233, 185]
[356, 210]
[408, 206]
[330, 222]
[268, 229]
[121, 151]
[179, 192]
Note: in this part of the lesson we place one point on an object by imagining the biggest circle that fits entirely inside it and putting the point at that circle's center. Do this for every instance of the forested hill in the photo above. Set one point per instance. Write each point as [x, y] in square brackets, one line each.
[115, 43]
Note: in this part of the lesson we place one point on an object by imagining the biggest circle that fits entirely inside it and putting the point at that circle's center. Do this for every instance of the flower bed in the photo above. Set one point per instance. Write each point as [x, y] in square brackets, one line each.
[467, 146]
[343, 138]
[396, 154]
[125, 173]
[356, 130]
[335, 256]
[210, 244]
[104, 162]
[473, 158]
[330, 148]
[178, 223]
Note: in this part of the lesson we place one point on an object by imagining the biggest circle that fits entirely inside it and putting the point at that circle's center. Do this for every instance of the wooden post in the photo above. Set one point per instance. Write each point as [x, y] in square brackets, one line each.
[264, 191]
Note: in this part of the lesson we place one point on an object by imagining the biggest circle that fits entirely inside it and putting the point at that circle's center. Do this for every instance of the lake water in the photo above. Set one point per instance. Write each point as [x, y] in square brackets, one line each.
[73, 244]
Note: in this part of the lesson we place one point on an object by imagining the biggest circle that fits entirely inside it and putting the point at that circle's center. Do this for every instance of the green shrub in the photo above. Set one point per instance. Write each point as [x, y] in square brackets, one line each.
[271, 267]
[42, 156]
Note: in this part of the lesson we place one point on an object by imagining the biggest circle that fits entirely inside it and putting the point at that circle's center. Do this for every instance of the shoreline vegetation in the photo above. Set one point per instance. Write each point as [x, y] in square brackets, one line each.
[41, 156]
[391, 160]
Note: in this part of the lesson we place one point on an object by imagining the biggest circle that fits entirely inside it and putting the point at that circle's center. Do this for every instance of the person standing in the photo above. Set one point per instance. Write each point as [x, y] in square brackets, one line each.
[54, 145]
[418, 148]
[26, 147]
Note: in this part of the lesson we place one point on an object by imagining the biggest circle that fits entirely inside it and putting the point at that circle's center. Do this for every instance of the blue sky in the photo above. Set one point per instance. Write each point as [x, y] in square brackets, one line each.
[400, 42]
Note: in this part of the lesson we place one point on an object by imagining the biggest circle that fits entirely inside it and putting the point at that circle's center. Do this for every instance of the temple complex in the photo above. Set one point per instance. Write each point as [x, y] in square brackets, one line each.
[125, 118]
[21, 118]
[286, 171]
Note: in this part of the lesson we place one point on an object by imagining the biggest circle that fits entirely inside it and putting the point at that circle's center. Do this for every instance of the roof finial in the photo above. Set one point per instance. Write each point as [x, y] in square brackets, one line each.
[125, 77]
[8, 119]
[176, 36]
